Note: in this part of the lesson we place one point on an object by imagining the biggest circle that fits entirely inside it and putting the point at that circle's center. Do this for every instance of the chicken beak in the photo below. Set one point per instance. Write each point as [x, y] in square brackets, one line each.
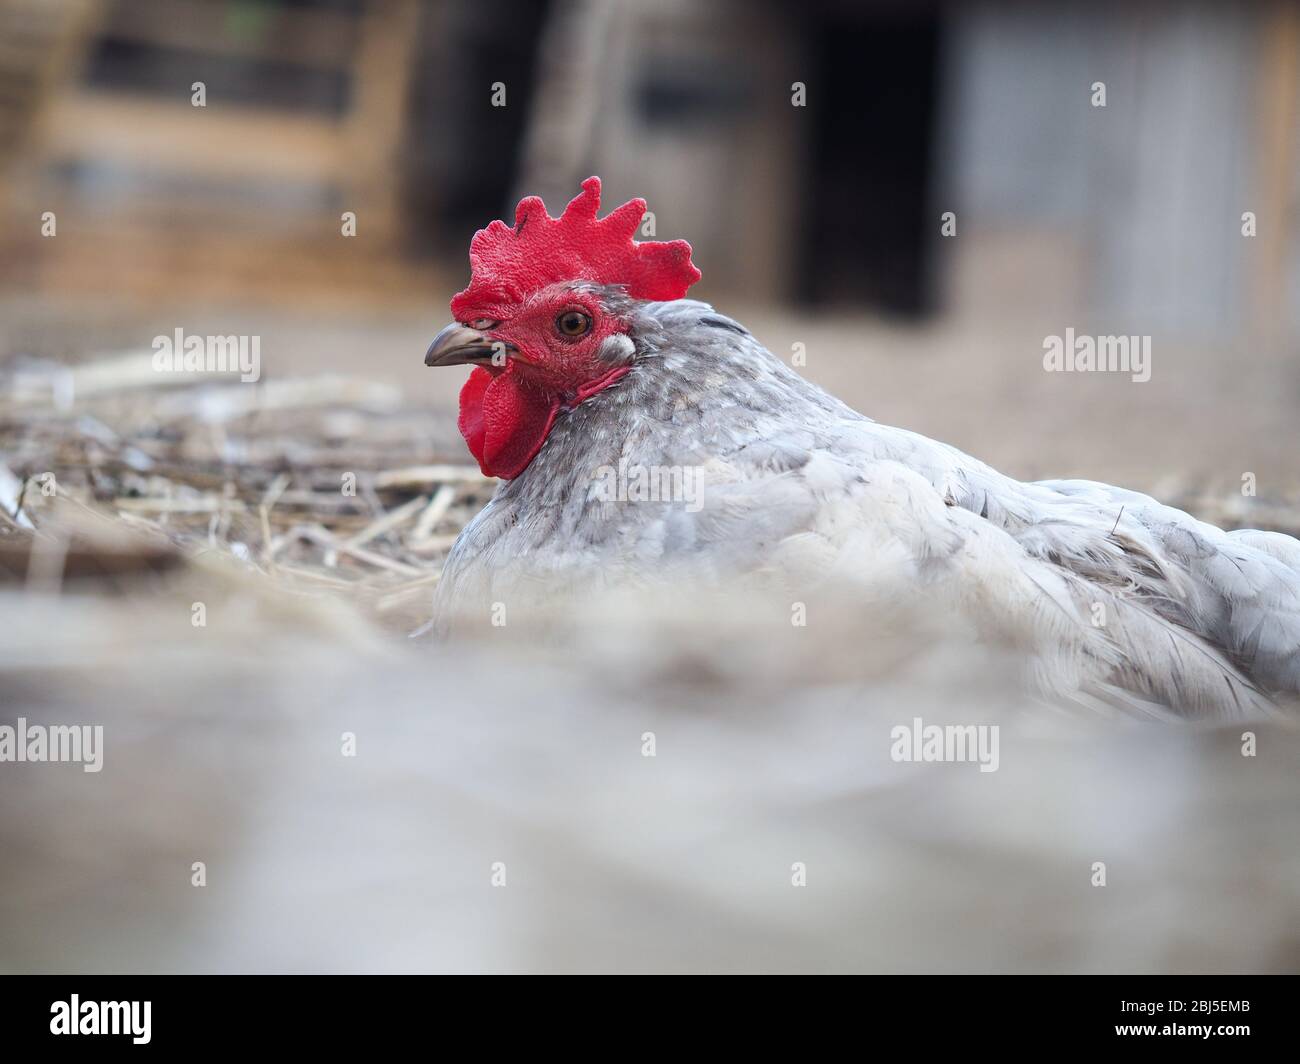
[459, 345]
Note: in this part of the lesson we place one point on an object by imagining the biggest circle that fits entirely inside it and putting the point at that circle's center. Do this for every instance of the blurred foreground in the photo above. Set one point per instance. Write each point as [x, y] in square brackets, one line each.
[225, 745]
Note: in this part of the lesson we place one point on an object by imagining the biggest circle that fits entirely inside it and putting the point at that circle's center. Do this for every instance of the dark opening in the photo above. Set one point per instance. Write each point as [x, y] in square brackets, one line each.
[866, 232]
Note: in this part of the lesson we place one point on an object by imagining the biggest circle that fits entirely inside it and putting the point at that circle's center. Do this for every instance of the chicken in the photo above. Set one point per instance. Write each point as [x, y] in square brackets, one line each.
[595, 377]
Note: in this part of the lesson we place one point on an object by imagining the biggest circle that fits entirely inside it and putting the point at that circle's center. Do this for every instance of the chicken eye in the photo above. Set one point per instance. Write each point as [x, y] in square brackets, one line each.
[484, 323]
[573, 323]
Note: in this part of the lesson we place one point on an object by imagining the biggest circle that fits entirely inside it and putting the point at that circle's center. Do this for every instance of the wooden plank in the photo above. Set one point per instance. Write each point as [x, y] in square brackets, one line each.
[215, 142]
[376, 120]
[1275, 154]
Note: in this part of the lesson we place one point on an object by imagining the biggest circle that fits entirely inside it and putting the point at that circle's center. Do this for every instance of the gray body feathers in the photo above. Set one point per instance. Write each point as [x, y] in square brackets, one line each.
[1116, 598]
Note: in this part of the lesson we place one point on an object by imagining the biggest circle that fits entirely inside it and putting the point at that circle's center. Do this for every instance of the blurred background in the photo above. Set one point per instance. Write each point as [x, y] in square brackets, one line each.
[817, 224]
[810, 153]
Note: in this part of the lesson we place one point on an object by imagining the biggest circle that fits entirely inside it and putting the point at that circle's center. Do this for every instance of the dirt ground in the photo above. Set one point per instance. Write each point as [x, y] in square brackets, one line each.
[1208, 415]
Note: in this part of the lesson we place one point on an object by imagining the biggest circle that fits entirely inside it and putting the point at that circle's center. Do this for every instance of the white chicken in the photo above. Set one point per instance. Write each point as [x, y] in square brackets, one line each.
[643, 438]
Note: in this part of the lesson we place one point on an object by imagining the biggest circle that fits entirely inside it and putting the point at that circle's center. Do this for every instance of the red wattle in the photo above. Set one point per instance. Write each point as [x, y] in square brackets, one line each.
[504, 421]
[470, 422]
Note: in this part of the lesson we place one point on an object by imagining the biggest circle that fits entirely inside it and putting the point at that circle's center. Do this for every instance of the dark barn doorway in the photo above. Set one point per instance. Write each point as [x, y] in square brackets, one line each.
[867, 230]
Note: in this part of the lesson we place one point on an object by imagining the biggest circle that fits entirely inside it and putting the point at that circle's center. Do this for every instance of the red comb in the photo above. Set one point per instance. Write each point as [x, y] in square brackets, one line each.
[506, 264]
